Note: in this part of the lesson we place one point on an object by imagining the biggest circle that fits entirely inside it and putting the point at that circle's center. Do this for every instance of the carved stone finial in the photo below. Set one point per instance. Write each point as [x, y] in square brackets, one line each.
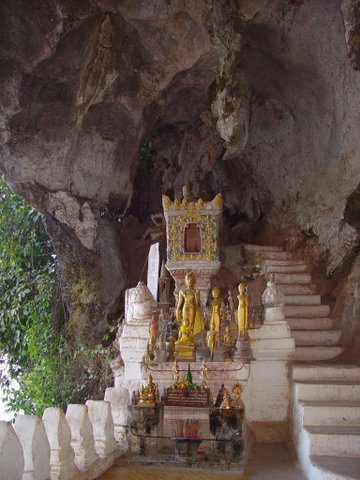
[139, 304]
[272, 296]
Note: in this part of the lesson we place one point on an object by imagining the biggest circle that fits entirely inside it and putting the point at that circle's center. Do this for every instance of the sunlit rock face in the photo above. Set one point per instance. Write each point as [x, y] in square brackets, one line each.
[105, 105]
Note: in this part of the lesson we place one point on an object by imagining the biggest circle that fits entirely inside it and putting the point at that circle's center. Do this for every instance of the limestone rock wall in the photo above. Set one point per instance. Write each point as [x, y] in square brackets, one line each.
[105, 105]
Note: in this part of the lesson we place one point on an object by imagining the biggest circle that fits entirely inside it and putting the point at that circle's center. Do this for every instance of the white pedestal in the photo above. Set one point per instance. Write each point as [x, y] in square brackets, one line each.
[267, 393]
[133, 344]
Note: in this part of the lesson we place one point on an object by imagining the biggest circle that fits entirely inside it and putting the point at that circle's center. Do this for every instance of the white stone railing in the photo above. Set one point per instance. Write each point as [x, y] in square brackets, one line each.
[80, 445]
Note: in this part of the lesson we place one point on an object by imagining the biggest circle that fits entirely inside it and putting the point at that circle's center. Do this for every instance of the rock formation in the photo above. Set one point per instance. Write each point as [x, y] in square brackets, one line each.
[107, 104]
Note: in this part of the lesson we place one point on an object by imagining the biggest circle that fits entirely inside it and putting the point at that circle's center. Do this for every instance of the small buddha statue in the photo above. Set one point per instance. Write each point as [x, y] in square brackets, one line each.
[203, 374]
[153, 331]
[237, 401]
[189, 306]
[243, 309]
[231, 305]
[185, 333]
[226, 404]
[228, 341]
[147, 355]
[148, 394]
[215, 319]
[211, 340]
[176, 373]
[171, 348]
[171, 343]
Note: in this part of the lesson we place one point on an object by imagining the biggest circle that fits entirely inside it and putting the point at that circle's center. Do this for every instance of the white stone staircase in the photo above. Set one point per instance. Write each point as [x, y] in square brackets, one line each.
[326, 420]
[309, 321]
[325, 397]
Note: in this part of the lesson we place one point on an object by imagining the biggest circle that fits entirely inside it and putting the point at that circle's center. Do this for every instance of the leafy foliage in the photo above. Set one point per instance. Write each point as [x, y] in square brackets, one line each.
[51, 370]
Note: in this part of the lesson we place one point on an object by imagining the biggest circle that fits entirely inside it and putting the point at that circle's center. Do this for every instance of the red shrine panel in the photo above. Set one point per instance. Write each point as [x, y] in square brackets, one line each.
[192, 238]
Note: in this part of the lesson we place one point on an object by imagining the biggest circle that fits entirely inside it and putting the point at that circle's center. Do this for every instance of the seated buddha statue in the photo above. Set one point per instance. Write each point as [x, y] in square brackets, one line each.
[148, 394]
[185, 333]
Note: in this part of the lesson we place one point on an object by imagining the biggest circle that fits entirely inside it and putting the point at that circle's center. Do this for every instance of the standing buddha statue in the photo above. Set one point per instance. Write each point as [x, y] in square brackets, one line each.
[243, 310]
[189, 307]
[215, 320]
[228, 341]
[176, 373]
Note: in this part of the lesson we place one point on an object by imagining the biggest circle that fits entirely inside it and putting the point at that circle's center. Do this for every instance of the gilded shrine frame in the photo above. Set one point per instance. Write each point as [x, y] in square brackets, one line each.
[204, 262]
[203, 214]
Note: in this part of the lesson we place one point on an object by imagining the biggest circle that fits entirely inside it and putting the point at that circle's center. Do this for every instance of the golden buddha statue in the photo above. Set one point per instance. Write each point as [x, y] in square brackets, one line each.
[203, 374]
[188, 306]
[151, 345]
[176, 373]
[215, 320]
[148, 394]
[185, 333]
[226, 404]
[237, 400]
[147, 356]
[231, 306]
[211, 337]
[228, 341]
[243, 309]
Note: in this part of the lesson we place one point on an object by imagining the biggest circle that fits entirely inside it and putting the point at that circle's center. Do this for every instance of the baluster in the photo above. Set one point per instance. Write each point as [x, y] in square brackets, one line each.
[103, 426]
[11, 453]
[62, 457]
[31, 433]
[119, 400]
[82, 437]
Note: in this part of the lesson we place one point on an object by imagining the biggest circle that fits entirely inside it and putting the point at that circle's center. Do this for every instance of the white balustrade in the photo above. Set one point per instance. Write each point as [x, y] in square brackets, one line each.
[82, 437]
[11, 453]
[62, 457]
[31, 433]
[78, 445]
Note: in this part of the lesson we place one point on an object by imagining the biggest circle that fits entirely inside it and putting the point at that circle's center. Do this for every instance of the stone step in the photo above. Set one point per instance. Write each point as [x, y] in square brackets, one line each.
[302, 311]
[283, 263]
[335, 468]
[297, 289]
[302, 278]
[316, 354]
[326, 372]
[262, 248]
[326, 391]
[319, 323]
[269, 255]
[302, 300]
[286, 268]
[340, 441]
[331, 413]
[314, 337]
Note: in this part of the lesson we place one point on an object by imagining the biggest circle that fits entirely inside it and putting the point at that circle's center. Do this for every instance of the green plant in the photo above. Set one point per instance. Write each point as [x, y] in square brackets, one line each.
[50, 368]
